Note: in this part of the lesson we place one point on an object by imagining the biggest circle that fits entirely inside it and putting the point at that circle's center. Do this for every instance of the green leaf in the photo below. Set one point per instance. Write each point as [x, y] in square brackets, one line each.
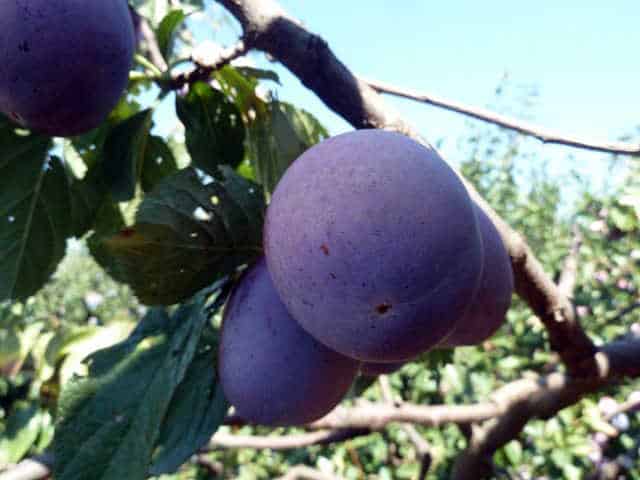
[307, 127]
[87, 196]
[10, 350]
[214, 132]
[435, 359]
[240, 87]
[110, 218]
[624, 219]
[277, 137]
[259, 73]
[188, 234]
[159, 163]
[166, 29]
[123, 155]
[197, 410]
[21, 432]
[111, 419]
[513, 452]
[35, 218]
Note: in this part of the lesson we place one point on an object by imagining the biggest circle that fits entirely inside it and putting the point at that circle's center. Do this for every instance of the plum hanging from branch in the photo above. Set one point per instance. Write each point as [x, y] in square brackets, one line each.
[271, 370]
[63, 64]
[488, 309]
[372, 243]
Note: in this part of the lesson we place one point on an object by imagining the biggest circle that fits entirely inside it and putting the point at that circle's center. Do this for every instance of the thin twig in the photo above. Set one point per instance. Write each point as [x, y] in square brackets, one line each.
[303, 472]
[569, 273]
[284, 442]
[423, 449]
[202, 71]
[543, 134]
[152, 45]
[629, 405]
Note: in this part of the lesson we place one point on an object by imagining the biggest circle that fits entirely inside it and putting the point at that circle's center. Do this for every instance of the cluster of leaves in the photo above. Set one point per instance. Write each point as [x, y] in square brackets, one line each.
[176, 217]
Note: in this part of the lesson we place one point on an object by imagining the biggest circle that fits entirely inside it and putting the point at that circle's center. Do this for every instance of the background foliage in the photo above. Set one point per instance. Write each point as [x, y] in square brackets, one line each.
[92, 351]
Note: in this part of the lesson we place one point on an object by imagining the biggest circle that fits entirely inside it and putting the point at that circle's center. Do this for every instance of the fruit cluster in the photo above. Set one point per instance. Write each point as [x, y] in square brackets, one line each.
[374, 254]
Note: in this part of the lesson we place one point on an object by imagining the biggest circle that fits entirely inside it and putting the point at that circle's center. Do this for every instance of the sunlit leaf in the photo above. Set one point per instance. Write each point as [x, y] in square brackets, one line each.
[188, 233]
[277, 136]
[214, 132]
[21, 432]
[166, 30]
[111, 419]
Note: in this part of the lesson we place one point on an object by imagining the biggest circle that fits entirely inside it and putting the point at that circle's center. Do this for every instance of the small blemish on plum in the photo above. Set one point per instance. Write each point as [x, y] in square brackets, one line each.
[325, 249]
[333, 275]
[383, 308]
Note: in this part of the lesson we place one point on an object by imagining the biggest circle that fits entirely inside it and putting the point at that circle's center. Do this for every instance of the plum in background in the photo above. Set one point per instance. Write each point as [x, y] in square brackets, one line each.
[488, 309]
[372, 243]
[63, 64]
[271, 370]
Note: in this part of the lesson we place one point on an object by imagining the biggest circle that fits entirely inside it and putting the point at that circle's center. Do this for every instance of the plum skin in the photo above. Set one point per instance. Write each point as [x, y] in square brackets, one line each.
[372, 243]
[64, 64]
[271, 370]
[488, 309]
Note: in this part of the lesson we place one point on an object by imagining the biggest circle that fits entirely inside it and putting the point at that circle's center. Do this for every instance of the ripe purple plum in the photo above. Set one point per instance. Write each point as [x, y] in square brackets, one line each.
[63, 64]
[488, 309]
[271, 370]
[372, 243]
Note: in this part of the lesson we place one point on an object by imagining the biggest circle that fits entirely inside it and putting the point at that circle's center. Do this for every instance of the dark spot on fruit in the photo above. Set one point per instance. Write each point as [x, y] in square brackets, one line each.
[24, 47]
[333, 275]
[324, 249]
[383, 308]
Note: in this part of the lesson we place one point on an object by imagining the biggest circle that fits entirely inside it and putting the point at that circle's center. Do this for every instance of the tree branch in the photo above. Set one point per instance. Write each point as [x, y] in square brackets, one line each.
[269, 28]
[302, 472]
[504, 415]
[377, 416]
[423, 449]
[203, 70]
[284, 442]
[152, 45]
[544, 398]
[543, 134]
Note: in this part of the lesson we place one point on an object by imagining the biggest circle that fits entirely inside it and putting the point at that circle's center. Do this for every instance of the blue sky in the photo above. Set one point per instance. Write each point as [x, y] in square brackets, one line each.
[580, 56]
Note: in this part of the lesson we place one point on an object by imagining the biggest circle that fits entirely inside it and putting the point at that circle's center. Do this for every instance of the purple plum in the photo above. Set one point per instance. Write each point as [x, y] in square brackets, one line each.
[373, 245]
[488, 309]
[64, 64]
[271, 370]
